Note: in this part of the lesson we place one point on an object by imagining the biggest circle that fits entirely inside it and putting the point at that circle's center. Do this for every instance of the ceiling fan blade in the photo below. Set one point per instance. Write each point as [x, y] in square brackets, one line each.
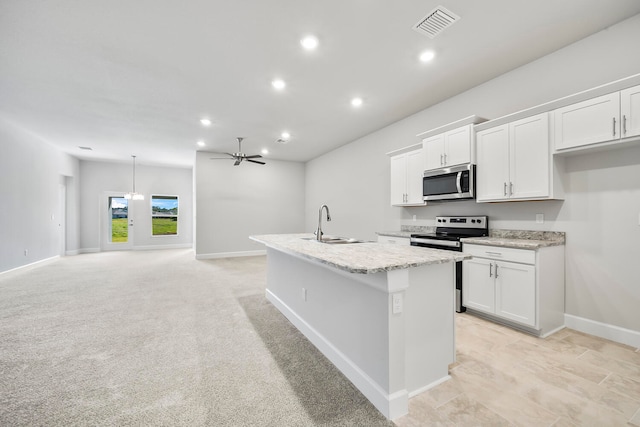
[256, 156]
[255, 161]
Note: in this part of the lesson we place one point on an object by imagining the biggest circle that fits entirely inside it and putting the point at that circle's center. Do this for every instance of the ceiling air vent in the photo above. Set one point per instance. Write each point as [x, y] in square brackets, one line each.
[436, 22]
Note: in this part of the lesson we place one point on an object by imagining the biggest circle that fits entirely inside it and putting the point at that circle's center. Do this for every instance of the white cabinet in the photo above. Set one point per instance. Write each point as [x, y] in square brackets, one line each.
[630, 111]
[406, 178]
[587, 122]
[404, 241]
[606, 118]
[450, 148]
[514, 162]
[516, 285]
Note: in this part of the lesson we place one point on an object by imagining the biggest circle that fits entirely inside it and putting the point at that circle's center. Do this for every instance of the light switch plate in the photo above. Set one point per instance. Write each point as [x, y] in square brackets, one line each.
[539, 218]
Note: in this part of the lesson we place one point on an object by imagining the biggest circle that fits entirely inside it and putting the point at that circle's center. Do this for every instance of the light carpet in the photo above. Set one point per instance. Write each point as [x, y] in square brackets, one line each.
[159, 338]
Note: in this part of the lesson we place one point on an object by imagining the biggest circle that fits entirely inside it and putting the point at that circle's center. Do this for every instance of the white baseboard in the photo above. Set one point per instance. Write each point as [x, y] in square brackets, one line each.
[230, 254]
[391, 405]
[603, 330]
[88, 250]
[155, 247]
[72, 253]
[31, 265]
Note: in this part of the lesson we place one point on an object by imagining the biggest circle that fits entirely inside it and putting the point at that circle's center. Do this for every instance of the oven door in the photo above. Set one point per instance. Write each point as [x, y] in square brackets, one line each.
[454, 183]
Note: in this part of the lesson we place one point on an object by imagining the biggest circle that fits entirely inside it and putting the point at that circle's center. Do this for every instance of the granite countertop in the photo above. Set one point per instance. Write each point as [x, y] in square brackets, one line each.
[407, 231]
[406, 234]
[519, 239]
[362, 258]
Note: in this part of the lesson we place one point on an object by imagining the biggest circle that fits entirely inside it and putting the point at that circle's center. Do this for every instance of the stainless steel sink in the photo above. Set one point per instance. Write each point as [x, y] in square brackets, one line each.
[330, 240]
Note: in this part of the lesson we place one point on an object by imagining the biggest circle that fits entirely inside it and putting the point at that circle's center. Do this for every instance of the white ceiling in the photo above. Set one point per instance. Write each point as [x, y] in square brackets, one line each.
[135, 76]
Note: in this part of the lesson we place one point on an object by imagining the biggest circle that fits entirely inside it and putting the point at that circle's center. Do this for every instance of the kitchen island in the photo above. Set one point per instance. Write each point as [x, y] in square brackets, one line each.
[383, 314]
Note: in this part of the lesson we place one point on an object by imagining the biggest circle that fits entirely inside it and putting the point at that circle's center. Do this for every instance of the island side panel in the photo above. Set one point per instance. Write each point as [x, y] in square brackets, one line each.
[430, 326]
[347, 316]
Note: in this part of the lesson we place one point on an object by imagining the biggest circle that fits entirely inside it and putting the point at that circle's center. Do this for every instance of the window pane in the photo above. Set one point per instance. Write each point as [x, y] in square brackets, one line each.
[164, 215]
[119, 208]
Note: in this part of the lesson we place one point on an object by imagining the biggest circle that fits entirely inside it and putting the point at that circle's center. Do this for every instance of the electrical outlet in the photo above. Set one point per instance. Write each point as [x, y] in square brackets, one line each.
[304, 294]
[539, 218]
[396, 303]
[414, 217]
[26, 252]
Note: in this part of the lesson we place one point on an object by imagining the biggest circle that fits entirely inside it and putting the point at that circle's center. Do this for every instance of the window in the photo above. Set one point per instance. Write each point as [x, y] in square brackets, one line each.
[164, 215]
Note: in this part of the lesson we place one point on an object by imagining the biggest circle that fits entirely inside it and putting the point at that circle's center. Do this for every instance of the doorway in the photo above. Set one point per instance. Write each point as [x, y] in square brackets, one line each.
[117, 222]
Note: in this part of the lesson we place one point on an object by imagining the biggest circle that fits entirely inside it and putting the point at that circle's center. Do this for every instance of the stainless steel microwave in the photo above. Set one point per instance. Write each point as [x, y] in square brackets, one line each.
[452, 183]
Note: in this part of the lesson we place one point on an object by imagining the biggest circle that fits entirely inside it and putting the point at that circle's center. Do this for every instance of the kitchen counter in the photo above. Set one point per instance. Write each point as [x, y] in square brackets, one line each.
[405, 234]
[381, 313]
[362, 258]
[519, 239]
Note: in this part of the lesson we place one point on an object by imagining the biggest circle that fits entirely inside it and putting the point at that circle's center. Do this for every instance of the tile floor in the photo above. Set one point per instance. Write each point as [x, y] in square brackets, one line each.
[503, 377]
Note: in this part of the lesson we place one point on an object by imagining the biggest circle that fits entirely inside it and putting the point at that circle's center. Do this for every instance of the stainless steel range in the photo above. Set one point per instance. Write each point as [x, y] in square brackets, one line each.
[449, 231]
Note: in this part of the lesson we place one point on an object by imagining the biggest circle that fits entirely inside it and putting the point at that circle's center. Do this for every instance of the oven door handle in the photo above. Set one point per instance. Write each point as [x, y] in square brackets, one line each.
[458, 182]
[447, 243]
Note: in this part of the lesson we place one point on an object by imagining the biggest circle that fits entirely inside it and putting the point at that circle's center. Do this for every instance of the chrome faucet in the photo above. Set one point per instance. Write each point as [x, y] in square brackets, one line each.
[318, 232]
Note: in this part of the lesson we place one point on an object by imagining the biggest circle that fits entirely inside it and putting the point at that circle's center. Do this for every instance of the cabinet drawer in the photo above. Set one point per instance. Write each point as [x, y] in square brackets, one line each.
[523, 256]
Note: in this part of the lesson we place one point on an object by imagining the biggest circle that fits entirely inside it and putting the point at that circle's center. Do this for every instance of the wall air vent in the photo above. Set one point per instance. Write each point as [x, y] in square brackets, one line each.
[436, 22]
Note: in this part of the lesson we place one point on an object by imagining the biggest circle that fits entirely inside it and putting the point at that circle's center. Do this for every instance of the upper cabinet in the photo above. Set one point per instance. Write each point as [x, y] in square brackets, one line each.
[449, 148]
[515, 163]
[450, 145]
[630, 110]
[606, 118]
[407, 167]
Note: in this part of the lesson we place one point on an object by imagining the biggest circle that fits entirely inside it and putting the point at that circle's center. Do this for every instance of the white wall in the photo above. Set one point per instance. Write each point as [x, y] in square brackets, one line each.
[96, 178]
[32, 172]
[234, 202]
[599, 216]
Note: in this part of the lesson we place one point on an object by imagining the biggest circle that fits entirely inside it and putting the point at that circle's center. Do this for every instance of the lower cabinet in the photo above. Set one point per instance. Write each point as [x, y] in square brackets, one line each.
[525, 287]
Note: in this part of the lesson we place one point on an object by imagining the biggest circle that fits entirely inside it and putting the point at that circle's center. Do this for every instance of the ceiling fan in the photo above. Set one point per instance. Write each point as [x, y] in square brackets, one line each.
[240, 156]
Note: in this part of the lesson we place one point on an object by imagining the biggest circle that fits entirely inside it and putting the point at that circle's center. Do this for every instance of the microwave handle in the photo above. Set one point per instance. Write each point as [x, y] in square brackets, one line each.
[458, 183]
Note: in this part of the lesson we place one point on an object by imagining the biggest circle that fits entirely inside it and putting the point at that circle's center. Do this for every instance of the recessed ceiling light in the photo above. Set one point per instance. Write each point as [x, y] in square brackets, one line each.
[278, 84]
[205, 122]
[309, 42]
[265, 151]
[285, 136]
[427, 55]
[356, 102]
[201, 143]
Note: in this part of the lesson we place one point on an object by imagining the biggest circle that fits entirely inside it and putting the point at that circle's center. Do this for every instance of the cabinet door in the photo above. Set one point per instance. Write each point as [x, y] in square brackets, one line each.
[478, 286]
[457, 146]
[516, 292]
[588, 122]
[492, 172]
[415, 171]
[398, 179]
[433, 148]
[529, 157]
[630, 111]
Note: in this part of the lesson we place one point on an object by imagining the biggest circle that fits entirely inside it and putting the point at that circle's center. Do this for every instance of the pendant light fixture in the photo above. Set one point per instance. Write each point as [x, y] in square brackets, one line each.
[133, 195]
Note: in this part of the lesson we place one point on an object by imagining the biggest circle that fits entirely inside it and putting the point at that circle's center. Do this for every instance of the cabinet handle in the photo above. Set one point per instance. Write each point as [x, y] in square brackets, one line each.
[441, 162]
[511, 188]
[624, 124]
[490, 267]
[614, 126]
[493, 253]
[505, 188]
[496, 271]
[445, 158]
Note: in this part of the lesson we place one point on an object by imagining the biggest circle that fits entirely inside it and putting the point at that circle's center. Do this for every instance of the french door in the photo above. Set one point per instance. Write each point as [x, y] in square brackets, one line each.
[117, 222]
